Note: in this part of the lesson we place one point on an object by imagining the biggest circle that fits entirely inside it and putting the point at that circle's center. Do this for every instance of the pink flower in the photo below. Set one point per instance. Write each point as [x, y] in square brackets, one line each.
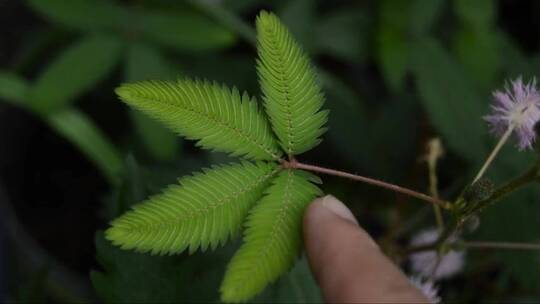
[428, 288]
[429, 263]
[516, 109]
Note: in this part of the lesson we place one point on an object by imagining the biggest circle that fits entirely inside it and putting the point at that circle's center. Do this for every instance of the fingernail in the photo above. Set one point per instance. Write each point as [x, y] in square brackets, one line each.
[338, 208]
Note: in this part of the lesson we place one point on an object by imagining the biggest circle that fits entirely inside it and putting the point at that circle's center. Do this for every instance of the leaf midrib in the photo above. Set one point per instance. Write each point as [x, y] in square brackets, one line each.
[224, 124]
[275, 227]
[204, 211]
[280, 69]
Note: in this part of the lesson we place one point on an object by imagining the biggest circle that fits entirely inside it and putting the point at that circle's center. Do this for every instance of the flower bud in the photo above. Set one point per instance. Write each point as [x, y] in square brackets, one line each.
[472, 196]
[479, 191]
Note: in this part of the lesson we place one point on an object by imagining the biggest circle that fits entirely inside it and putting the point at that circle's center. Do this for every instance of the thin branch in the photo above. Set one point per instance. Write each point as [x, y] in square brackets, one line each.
[297, 165]
[438, 217]
[419, 248]
[528, 177]
[473, 245]
[501, 245]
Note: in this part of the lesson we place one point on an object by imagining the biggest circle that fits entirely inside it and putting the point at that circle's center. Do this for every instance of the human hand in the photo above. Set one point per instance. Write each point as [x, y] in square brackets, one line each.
[347, 264]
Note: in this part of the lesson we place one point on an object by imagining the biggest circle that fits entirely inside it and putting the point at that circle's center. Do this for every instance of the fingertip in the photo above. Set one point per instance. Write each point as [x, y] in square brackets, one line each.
[322, 205]
[346, 262]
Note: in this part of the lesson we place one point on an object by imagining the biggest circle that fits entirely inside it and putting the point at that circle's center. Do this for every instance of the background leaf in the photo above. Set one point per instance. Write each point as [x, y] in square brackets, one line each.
[182, 30]
[353, 125]
[296, 286]
[518, 212]
[85, 63]
[424, 14]
[131, 277]
[86, 15]
[478, 52]
[80, 130]
[392, 43]
[345, 34]
[299, 17]
[400, 23]
[476, 14]
[226, 17]
[453, 105]
[146, 63]
[476, 42]
[13, 89]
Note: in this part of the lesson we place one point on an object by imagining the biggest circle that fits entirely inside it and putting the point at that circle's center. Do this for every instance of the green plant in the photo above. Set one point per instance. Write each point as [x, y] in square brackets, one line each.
[208, 208]
[394, 73]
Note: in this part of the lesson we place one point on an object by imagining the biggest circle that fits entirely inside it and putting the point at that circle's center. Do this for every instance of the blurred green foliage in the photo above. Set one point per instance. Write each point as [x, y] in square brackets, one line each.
[395, 72]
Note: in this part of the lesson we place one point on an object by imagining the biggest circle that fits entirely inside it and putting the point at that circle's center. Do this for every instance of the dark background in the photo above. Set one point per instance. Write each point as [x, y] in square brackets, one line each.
[395, 73]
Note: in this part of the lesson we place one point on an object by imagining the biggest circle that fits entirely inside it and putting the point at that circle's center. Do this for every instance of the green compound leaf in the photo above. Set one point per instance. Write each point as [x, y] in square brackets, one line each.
[220, 118]
[203, 211]
[272, 239]
[292, 94]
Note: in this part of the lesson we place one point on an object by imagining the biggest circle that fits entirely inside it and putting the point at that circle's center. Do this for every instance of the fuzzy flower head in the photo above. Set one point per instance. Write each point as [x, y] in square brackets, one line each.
[518, 108]
[427, 287]
[429, 263]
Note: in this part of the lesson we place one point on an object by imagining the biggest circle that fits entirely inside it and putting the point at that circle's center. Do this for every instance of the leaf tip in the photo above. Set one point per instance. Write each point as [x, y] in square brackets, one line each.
[124, 92]
[116, 234]
[232, 295]
[265, 18]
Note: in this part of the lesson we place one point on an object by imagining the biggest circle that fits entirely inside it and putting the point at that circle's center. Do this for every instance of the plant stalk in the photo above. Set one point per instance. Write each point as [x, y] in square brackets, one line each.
[298, 165]
[520, 181]
[433, 190]
[501, 245]
[494, 153]
[474, 245]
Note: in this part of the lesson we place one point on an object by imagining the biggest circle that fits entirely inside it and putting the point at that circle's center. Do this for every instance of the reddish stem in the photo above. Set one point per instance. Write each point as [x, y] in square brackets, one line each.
[294, 164]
